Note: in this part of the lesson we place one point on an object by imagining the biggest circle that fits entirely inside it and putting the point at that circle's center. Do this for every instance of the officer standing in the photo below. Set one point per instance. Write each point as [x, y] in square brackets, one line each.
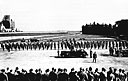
[90, 53]
[111, 51]
[3, 46]
[94, 57]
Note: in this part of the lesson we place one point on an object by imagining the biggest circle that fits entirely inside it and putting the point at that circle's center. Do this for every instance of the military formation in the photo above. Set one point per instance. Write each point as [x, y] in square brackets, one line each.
[63, 44]
[84, 74]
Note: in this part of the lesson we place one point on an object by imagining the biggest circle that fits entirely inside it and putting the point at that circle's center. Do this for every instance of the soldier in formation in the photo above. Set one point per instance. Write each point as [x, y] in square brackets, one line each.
[90, 53]
[64, 44]
[111, 51]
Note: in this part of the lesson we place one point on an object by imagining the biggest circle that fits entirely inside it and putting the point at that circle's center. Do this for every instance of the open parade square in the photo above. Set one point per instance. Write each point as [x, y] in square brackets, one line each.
[43, 58]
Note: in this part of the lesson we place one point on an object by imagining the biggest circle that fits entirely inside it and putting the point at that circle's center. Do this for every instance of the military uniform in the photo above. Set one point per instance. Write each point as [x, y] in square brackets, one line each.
[3, 46]
[94, 57]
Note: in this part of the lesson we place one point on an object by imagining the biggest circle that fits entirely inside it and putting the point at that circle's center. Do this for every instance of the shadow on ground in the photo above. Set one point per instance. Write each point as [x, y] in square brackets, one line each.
[112, 55]
[104, 55]
[66, 57]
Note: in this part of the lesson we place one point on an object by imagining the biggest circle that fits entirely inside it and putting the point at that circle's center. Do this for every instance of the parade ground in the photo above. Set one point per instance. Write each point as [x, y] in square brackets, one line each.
[44, 59]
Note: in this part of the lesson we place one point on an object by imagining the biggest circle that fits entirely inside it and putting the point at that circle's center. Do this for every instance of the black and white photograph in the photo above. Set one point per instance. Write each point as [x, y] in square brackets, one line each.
[63, 40]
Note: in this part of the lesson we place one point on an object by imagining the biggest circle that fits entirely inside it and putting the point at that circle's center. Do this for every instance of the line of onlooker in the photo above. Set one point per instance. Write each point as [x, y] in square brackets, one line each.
[84, 74]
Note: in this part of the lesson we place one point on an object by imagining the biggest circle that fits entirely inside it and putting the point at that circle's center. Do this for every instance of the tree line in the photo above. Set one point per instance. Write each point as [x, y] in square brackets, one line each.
[119, 28]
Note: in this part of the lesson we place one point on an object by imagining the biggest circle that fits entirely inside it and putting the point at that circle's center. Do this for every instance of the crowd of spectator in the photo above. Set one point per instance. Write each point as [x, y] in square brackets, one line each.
[84, 74]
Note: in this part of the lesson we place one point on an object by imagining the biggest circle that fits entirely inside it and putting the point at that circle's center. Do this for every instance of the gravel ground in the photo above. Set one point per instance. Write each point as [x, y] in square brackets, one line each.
[46, 59]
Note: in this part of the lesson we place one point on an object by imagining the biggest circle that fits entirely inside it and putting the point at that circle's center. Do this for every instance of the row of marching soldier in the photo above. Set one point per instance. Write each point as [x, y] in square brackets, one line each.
[63, 44]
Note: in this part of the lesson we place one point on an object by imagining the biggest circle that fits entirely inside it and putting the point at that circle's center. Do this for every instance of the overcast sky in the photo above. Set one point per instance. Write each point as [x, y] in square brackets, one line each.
[51, 15]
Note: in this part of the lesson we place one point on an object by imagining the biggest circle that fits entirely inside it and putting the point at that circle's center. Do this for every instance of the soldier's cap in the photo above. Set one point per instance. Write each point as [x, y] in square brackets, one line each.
[31, 70]
[65, 69]
[80, 68]
[39, 69]
[103, 69]
[90, 68]
[11, 70]
[52, 68]
[120, 70]
[7, 68]
[36, 70]
[72, 69]
[47, 70]
[17, 68]
[2, 70]
[18, 72]
[110, 68]
[123, 70]
[75, 71]
[96, 69]
[60, 69]
[115, 69]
